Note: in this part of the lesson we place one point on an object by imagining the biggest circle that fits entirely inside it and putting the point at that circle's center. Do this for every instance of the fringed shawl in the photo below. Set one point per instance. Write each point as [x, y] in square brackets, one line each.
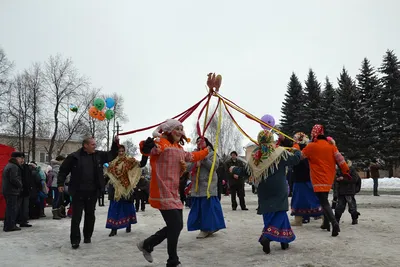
[124, 173]
[267, 166]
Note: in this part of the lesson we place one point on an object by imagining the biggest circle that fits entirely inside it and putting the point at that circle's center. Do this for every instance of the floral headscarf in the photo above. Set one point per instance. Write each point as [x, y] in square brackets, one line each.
[301, 138]
[265, 148]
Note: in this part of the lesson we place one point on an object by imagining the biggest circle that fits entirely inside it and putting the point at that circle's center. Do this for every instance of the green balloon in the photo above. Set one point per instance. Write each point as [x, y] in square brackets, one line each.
[99, 103]
[109, 114]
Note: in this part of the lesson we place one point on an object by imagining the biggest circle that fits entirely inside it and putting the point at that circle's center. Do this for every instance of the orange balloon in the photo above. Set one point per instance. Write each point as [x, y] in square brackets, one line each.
[93, 112]
[101, 116]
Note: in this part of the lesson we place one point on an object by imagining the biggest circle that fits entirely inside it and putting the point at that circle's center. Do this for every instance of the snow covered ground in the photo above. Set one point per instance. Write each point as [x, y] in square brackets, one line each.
[374, 242]
[383, 183]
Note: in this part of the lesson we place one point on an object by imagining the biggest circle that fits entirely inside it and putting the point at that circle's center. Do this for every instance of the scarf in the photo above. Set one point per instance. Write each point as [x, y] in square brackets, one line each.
[264, 159]
[124, 173]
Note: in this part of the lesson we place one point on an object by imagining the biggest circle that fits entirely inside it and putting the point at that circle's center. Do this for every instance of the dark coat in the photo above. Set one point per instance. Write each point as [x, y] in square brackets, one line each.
[233, 181]
[31, 184]
[301, 172]
[12, 178]
[273, 190]
[72, 165]
[345, 186]
[374, 168]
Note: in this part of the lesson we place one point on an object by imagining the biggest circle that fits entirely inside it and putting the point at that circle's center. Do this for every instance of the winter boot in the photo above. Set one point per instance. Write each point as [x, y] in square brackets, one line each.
[203, 234]
[298, 221]
[325, 224]
[354, 218]
[56, 214]
[335, 229]
[113, 232]
[62, 212]
[265, 242]
[284, 246]
[128, 228]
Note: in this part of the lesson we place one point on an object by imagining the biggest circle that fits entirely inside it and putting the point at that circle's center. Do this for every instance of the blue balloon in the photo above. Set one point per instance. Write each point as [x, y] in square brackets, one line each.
[110, 102]
[106, 165]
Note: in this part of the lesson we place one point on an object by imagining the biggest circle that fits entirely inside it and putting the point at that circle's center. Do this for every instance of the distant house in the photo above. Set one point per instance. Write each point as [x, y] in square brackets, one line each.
[41, 144]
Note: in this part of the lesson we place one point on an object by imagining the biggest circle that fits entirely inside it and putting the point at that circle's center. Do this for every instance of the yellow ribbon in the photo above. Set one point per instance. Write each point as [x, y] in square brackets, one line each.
[239, 109]
[210, 176]
[204, 128]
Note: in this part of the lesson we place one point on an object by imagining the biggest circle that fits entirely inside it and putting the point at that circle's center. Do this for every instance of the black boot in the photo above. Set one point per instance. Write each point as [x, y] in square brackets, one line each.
[284, 246]
[325, 224]
[265, 243]
[335, 229]
[128, 228]
[354, 218]
[113, 232]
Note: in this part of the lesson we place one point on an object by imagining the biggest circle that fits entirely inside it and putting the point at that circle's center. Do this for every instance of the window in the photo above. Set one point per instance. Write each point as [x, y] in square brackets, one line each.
[43, 157]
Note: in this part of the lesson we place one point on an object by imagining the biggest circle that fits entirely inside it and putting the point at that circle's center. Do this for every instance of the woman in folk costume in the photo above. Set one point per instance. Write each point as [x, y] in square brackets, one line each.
[305, 203]
[323, 157]
[206, 213]
[124, 173]
[167, 160]
[267, 163]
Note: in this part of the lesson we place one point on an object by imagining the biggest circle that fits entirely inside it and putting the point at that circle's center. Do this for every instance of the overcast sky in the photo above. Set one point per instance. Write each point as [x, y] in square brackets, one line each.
[157, 53]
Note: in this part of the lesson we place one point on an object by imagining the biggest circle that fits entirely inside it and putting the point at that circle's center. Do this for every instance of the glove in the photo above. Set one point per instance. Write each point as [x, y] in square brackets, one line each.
[347, 176]
[147, 145]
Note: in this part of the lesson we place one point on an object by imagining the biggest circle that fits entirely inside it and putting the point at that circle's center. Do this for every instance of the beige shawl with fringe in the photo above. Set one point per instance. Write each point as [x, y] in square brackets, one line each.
[124, 173]
[267, 166]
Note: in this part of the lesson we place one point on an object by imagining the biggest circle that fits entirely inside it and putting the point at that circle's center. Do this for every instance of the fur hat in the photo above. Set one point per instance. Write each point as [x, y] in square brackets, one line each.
[17, 154]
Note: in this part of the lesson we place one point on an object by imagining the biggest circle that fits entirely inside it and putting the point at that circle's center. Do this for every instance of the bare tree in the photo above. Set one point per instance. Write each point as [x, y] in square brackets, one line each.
[33, 79]
[19, 112]
[119, 116]
[62, 82]
[73, 123]
[229, 137]
[6, 67]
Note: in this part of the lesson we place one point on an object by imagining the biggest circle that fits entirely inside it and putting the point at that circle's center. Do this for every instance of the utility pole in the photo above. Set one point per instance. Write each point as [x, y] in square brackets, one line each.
[116, 129]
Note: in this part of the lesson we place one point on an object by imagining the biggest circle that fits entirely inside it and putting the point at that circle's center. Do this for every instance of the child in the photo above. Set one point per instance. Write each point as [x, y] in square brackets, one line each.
[345, 191]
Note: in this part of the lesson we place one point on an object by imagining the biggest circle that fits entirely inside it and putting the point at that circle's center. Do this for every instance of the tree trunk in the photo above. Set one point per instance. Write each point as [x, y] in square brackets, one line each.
[53, 137]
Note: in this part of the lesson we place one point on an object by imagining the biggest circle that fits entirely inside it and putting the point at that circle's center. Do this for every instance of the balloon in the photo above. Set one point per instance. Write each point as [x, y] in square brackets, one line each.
[101, 116]
[99, 103]
[73, 108]
[93, 112]
[109, 114]
[106, 165]
[110, 102]
[268, 119]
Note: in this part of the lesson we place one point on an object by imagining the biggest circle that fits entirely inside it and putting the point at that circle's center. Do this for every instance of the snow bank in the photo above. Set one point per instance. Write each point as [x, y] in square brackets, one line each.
[388, 183]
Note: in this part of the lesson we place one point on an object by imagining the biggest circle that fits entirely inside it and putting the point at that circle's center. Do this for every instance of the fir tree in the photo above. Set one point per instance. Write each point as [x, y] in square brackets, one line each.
[388, 109]
[312, 113]
[292, 107]
[346, 131]
[368, 89]
[328, 108]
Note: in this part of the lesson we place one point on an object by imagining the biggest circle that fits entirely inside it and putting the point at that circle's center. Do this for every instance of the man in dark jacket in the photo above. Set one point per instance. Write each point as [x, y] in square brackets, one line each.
[12, 188]
[236, 182]
[374, 169]
[23, 199]
[345, 190]
[87, 180]
[141, 193]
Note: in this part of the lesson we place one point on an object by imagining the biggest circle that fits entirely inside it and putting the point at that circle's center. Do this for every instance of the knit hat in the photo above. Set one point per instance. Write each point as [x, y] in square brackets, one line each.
[317, 130]
[301, 138]
[17, 154]
[166, 126]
